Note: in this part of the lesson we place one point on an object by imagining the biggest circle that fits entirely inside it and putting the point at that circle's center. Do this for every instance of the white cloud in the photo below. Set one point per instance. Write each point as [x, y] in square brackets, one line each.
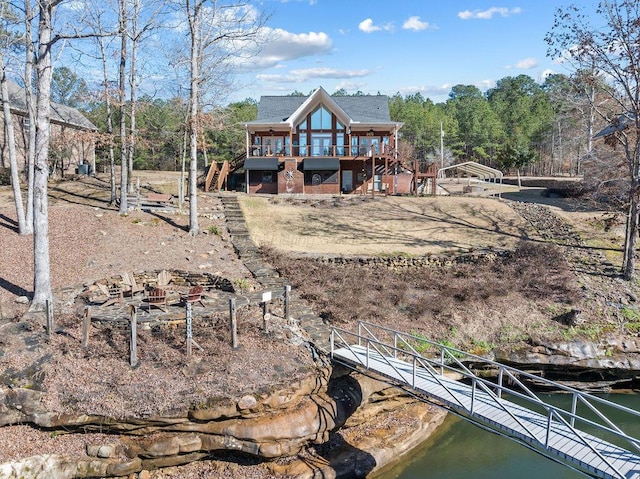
[281, 45]
[367, 26]
[74, 5]
[546, 73]
[426, 90]
[488, 14]
[302, 75]
[414, 23]
[484, 85]
[525, 64]
[350, 86]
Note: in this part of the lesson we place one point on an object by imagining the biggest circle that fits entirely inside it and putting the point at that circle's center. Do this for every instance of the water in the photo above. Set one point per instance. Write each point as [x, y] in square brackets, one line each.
[461, 450]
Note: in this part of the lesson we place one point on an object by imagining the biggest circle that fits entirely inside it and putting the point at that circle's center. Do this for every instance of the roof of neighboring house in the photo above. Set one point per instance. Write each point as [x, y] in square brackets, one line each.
[59, 113]
[618, 124]
[361, 109]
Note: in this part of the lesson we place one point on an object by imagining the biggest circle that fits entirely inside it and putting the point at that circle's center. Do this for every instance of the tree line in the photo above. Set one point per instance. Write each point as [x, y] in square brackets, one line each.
[541, 129]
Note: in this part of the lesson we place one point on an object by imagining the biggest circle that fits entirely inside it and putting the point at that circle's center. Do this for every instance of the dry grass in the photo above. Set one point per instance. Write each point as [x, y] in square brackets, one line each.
[366, 226]
[466, 304]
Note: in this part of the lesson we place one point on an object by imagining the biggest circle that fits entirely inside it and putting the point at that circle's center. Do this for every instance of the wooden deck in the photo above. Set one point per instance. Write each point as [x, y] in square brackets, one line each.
[554, 439]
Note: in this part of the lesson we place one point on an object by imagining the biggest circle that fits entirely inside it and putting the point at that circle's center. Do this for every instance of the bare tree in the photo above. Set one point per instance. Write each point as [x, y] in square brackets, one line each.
[31, 110]
[42, 294]
[11, 146]
[9, 41]
[122, 22]
[611, 51]
[217, 31]
[109, 112]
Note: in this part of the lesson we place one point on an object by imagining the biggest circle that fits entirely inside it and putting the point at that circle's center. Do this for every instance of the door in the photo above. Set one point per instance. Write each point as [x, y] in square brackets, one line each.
[347, 181]
[321, 144]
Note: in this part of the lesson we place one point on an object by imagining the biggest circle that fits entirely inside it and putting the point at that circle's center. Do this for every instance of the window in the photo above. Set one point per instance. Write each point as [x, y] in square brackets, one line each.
[267, 176]
[321, 119]
[26, 125]
[316, 178]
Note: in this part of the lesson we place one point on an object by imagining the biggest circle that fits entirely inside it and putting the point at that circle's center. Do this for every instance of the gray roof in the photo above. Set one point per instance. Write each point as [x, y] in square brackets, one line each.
[363, 109]
[59, 113]
[618, 124]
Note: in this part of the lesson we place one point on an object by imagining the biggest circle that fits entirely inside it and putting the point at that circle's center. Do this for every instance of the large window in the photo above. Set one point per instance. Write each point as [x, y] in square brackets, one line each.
[321, 119]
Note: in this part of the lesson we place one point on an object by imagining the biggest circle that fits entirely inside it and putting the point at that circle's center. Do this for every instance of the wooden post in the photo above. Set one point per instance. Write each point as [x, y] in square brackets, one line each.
[266, 316]
[86, 321]
[189, 330]
[287, 295]
[133, 343]
[234, 323]
[49, 314]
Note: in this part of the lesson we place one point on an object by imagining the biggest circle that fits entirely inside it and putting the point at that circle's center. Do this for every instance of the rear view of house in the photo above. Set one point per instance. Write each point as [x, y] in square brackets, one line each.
[324, 144]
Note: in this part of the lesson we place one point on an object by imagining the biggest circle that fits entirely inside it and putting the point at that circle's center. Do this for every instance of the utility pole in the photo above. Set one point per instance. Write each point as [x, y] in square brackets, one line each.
[441, 146]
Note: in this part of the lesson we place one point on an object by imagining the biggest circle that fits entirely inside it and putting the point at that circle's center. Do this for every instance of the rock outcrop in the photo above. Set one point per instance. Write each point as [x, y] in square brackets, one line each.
[610, 363]
[282, 424]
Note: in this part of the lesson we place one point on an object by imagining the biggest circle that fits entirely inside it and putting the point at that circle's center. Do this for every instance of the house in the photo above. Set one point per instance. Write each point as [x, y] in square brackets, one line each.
[323, 144]
[72, 145]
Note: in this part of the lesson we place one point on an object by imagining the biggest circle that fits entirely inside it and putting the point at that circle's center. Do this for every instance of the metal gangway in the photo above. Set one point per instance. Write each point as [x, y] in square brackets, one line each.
[445, 376]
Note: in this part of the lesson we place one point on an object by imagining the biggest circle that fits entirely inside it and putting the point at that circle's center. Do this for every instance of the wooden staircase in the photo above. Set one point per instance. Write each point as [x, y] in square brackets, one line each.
[219, 172]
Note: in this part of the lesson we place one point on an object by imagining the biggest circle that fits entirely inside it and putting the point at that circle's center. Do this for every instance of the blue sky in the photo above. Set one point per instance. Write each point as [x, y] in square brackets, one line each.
[404, 46]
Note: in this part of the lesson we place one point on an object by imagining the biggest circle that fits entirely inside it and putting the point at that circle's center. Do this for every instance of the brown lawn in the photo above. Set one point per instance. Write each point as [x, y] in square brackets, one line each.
[382, 226]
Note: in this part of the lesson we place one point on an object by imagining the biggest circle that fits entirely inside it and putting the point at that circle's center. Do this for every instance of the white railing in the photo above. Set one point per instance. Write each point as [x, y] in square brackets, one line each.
[398, 345]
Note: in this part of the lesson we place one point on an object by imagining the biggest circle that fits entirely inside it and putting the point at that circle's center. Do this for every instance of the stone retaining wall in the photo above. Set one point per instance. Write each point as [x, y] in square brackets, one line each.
[416, 261]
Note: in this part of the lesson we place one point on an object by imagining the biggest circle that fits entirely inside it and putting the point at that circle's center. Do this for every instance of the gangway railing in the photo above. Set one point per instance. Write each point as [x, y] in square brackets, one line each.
[436, 359]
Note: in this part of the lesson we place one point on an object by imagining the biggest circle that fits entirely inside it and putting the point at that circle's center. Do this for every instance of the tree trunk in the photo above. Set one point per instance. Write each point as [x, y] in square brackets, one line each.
[122, 12]
[183, 164]
[631, 233]
[42, 295]
[132, 91]
[11, 145]
[107, 100]
[194, 24]
[28, 89]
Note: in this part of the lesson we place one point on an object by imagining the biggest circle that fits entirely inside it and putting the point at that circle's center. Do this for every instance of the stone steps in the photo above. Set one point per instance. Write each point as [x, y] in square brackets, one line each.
[319, 332]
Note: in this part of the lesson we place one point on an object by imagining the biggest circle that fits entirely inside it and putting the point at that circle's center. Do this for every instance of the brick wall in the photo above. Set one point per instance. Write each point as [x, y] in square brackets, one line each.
[290, 178]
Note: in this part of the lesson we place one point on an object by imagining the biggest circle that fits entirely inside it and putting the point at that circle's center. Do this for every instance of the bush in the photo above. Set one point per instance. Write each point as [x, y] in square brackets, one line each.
[5, 176]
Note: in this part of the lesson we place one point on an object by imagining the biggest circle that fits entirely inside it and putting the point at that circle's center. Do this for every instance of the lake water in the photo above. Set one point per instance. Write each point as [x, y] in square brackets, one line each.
[461, 450]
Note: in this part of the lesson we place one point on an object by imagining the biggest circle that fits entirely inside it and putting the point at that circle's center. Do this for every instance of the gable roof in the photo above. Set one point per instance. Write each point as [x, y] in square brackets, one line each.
[364, 109]
[59, 113]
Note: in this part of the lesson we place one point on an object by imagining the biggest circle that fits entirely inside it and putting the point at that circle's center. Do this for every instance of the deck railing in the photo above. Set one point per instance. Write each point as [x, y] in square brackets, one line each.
[319, 151]
[437, 359]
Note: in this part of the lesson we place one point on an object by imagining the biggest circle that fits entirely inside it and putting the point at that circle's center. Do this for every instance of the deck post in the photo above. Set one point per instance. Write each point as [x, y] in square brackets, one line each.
[133, 339]
[287, 300]
[473, 393]
[233, 323]
[413, 379]
[500, 374]
[189, 329]
[266, 316]
[395, 344]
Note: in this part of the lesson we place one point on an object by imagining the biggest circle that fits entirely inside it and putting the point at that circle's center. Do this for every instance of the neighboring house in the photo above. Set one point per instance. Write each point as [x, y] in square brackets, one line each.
[323, 144]
[72, 136]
